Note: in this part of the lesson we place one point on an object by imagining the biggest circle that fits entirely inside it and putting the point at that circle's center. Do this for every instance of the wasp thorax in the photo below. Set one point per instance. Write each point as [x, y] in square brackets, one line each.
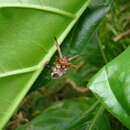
[58, 71]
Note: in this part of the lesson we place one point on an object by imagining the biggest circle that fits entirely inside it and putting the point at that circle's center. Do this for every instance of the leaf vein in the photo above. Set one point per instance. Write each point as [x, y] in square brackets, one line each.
[43, 8]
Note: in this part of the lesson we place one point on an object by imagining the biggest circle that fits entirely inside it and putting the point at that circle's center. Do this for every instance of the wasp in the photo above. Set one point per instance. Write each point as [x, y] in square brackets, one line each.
[61, 63]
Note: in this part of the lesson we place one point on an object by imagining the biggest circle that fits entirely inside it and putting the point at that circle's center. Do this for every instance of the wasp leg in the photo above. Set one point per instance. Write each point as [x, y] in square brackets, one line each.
[58, 48]
[74, 57]
[78, 88]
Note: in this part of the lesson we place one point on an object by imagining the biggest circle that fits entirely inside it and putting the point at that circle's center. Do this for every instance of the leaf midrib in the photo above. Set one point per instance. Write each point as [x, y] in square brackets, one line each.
[43, 8]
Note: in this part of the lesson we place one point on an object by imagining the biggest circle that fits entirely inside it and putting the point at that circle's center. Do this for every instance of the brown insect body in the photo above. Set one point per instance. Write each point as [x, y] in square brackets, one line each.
[61, 64]
[60, 68]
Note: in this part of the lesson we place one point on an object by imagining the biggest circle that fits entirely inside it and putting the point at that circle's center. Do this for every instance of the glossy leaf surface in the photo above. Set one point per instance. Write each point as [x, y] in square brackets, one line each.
[27, 30]
[112, 86]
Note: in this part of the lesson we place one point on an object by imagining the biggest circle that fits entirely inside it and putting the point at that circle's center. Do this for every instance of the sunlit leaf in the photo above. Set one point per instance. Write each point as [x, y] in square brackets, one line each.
[27, 30]
[112, 86]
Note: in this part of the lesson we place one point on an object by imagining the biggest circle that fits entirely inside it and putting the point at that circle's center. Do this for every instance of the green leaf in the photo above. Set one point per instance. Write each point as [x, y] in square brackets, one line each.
[27, 30]
[112, 86]
[73, 114]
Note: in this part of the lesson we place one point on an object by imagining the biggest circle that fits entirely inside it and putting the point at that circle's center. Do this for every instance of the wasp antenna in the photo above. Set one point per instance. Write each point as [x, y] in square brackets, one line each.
[74, 57]
[58, 48]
